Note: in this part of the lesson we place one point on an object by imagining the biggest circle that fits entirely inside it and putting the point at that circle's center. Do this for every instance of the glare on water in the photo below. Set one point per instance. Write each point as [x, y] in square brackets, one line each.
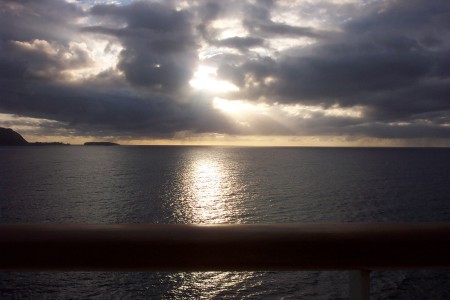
[206, 183]
[208, 186]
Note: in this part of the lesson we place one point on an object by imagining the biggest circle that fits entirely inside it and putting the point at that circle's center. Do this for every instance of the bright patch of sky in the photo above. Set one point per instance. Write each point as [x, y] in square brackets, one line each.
[205, 78]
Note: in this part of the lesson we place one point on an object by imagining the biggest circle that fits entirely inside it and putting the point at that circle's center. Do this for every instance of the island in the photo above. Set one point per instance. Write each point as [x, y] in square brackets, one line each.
[9, 137]
[101, 144]
[48, 144]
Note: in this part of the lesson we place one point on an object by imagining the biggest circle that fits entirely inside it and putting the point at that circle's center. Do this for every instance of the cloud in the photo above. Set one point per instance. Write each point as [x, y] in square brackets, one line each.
[30, 47]
[119, 112]
[42, 59]
[240, 43]
[362, 69]
[160, 48]
[345, 69]
[135, 99]
[381, 59]
[44, 20]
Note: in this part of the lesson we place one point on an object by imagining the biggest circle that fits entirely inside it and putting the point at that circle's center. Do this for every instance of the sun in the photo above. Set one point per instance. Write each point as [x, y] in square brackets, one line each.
[205, 78]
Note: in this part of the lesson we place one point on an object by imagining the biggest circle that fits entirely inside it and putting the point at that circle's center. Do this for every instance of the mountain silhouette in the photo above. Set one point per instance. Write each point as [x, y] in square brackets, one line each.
[9, 137]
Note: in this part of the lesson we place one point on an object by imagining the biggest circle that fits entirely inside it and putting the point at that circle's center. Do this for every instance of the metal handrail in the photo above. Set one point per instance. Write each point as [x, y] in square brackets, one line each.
[157, 247]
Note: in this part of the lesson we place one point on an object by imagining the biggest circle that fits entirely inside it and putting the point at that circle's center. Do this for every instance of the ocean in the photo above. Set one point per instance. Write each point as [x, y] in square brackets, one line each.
[237, 185]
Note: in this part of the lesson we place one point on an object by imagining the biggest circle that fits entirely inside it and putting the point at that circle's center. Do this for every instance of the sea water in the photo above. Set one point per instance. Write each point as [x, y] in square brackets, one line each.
[236, 185]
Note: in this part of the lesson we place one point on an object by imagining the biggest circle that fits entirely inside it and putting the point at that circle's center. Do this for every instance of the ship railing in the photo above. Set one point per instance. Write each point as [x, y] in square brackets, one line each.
[356, 247]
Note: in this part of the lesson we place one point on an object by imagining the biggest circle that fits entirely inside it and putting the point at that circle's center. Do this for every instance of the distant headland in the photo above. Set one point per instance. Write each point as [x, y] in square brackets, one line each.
[9, 137]
[100, 144]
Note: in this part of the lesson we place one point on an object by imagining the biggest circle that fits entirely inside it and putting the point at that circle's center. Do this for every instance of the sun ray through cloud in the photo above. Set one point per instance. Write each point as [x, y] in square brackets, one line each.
[143, 70]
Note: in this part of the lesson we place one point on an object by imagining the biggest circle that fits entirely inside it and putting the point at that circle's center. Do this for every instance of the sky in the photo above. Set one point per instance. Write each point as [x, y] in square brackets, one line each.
[244, 72]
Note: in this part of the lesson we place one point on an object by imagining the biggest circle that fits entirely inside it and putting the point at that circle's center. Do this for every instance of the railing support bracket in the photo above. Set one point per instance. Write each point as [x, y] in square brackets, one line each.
[359, 285]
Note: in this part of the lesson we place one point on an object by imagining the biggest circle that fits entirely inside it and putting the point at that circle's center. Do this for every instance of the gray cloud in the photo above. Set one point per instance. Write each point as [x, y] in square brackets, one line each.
[110, 112]
[258, 21]
[240, 43]
[343, 70]
[30, 47]
[44, 19]
[159, 44]
[159, 57]
[39, 59]
[392, 58]
[377, 60]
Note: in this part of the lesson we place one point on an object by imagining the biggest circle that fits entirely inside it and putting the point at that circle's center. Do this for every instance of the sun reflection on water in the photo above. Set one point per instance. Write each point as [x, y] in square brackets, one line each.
[207, 183]
[215, 285]
[209, 192]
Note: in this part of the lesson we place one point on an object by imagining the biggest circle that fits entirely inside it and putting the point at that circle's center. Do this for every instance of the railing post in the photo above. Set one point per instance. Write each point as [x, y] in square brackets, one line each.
[359, 285]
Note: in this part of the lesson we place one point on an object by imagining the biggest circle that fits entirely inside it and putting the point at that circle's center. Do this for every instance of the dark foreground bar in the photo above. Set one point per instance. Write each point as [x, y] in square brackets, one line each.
[342, 246]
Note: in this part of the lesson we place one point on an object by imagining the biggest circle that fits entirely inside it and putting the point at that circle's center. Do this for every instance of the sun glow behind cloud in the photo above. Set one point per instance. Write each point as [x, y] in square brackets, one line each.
[229, 28]
[236, 108]
[239, 107]
[105, 56]
[307, 111]
[205, 78]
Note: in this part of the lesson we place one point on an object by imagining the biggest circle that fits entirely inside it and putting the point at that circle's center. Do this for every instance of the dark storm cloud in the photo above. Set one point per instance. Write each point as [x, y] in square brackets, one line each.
[26, 27]
[343, 70]
[44, 19]
[414, 18]
[356, 61]
[118, 112]
[159, 56]
[39, 59]
[391, 57]
[160, 49]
